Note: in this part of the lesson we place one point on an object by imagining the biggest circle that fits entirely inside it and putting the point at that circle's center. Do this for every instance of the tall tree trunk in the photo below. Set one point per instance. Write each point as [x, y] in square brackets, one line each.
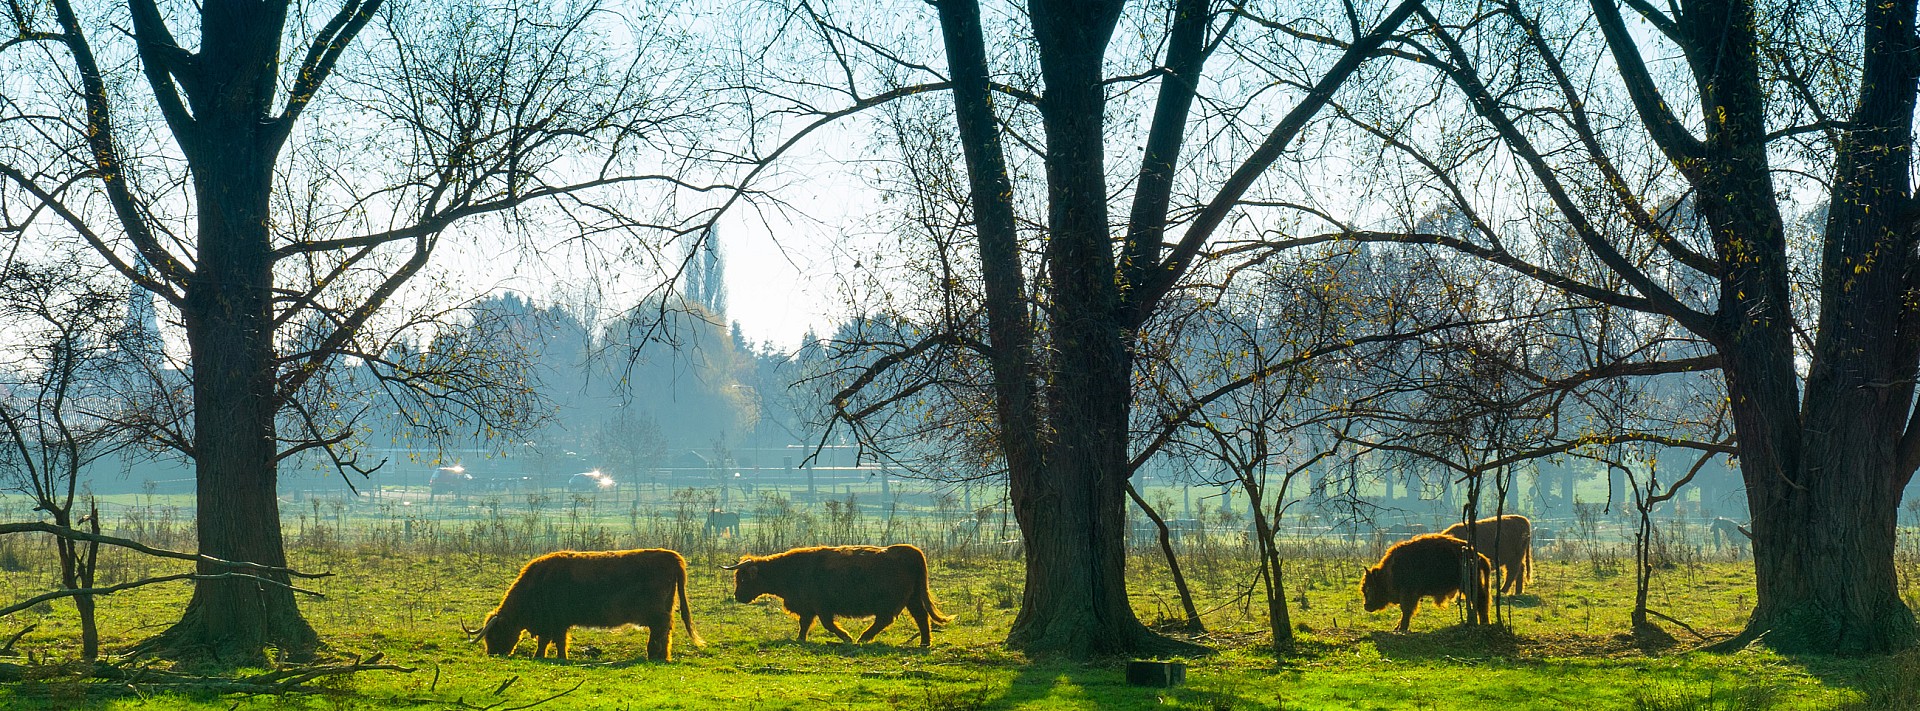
[1824, 535]
[1067, 471]
[229, 323]
[238, 514]
[1824, 474]
[1074, 516]
[1066, 440]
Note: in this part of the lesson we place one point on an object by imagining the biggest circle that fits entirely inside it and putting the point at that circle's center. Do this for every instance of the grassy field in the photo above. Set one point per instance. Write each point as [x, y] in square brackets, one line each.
[1566, 646]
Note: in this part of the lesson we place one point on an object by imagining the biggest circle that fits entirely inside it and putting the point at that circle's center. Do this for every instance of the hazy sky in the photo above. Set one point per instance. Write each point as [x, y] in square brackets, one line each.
[785, 268]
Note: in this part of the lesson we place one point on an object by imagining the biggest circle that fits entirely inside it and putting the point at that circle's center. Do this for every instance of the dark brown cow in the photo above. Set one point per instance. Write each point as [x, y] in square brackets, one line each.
[843, 581]
[559, 591]
[1426, 566]
[1507, 541]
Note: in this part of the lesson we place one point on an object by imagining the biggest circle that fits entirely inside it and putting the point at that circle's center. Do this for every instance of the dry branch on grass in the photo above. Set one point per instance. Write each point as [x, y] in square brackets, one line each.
[128, 679]
[461, 703]
[143, 582]
[76, 534]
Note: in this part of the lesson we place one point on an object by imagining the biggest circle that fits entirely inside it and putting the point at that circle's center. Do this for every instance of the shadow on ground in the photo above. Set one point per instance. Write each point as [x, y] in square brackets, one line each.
[1884, 683]
[1104, 685]
[1456, 642]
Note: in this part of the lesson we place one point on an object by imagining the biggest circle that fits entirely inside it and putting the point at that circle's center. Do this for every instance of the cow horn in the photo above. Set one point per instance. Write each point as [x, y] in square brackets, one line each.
[473, 634]
[735, 566]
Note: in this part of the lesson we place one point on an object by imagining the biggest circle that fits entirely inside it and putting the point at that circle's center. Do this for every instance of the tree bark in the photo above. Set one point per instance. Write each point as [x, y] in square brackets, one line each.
[1824, 474]
[228, 314]
[1074, 515]
[1066, 448]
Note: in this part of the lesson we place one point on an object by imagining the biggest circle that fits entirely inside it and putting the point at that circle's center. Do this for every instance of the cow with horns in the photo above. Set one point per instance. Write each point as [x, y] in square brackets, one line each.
[843, 581]
[559, 591]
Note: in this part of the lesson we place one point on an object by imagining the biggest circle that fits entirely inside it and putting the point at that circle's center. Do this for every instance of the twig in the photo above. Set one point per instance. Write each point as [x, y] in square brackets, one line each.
[503, 685]
[7, 649]
[1683, 625]
[576, 687]
[64, 532]
[137, 679]
[111, 589]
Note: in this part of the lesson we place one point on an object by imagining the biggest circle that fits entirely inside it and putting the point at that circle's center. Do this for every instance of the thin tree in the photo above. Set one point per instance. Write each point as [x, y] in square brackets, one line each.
[57, 415]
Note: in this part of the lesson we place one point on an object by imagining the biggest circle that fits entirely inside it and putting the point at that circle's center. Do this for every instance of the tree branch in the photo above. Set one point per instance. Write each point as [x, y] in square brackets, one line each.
[75, 534]
[1174, 267]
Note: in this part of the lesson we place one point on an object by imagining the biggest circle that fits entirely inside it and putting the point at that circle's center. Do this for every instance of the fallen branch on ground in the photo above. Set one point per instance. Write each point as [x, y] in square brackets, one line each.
[140, 680]
[7, 649]
[1683, 625]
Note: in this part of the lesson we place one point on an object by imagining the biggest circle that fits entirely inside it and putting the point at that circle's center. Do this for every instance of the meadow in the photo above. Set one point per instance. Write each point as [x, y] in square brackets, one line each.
[408, 573]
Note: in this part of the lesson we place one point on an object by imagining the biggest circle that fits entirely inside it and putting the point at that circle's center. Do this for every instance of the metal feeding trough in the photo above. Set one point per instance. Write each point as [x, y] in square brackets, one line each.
[1160, 674]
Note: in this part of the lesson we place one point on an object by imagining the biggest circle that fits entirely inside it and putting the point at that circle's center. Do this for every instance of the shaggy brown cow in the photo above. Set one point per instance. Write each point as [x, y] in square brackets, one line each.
[1426, 566]
[1508, 542]
[558, 591]
[847, 581]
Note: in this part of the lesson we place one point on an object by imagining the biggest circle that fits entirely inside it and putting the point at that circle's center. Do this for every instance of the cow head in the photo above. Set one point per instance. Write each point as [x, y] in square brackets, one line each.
[1377, 589]
[747, 583]
[499, 637]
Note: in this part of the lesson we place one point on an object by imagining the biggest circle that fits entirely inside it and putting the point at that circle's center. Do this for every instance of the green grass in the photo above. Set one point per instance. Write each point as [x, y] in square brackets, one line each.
[1568, 647]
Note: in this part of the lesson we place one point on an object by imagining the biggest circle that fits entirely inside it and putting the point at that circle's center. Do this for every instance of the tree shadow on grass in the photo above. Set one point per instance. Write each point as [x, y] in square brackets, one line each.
[1457, 642]
[1104, 685]
[1883, 682]
[63, 695]
[845, 649]
[1523, 601]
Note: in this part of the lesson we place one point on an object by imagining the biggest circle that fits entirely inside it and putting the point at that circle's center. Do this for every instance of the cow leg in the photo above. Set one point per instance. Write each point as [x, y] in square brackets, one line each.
[1406, 613]
[826, 621]
[540, 646]
[880, 622]
[921, 616]
[560, 644]
[660, 639]
[806, 623]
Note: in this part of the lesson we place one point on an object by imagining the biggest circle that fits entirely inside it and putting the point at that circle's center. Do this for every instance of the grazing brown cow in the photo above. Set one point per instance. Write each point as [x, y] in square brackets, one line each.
[1426, 566]
[1507, 541]
[558, 591]
[846, 581]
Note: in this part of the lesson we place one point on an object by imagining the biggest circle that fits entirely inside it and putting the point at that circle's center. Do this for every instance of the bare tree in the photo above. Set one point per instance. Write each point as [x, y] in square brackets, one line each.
[1769, 110]
[263, 170]
[57, 413]
[1060, 302]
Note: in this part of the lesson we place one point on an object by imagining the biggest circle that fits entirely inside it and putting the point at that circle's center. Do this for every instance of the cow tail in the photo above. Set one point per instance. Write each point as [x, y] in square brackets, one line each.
[686, 610]
[926, 591]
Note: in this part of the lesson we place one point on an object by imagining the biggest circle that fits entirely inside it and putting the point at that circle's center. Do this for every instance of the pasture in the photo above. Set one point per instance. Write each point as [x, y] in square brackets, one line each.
[408, 573]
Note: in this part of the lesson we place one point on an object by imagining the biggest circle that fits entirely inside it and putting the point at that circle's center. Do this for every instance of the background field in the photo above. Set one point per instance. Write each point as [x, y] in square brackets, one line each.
[409, 571]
